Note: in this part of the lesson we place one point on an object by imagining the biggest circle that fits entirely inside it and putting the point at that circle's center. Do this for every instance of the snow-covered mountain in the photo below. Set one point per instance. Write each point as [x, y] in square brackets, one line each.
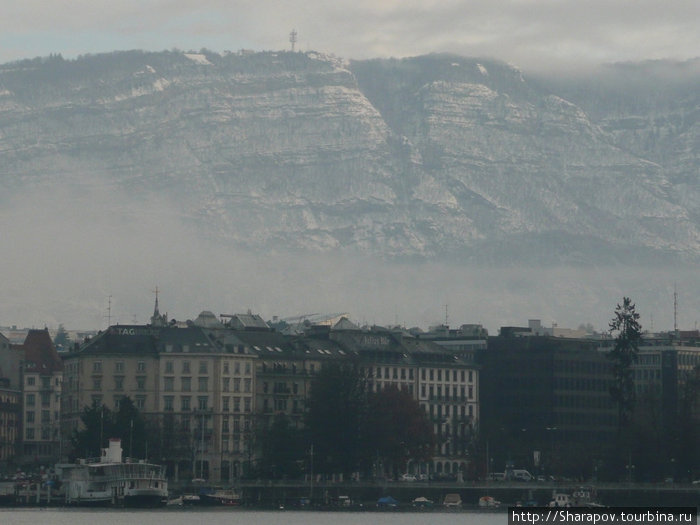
[434, 157]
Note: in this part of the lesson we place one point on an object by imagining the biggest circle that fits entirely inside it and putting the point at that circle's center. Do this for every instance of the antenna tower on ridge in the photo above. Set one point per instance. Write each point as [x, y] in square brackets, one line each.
[293, 38]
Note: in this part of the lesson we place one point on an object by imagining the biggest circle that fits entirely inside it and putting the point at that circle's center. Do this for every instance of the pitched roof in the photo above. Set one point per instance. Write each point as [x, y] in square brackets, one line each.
[40, 353]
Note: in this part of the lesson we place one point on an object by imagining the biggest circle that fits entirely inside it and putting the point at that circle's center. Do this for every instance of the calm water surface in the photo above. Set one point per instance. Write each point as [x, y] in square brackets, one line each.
[243, 517]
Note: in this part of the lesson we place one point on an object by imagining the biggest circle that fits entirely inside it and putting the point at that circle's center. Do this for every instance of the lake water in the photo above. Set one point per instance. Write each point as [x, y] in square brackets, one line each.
[60, 516]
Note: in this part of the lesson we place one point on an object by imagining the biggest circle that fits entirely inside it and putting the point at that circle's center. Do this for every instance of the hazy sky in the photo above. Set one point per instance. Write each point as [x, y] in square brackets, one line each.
[525, 32]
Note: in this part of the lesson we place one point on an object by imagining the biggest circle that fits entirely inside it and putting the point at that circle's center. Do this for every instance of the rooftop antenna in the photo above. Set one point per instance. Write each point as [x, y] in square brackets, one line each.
[293, 38]
[675, 308]
[447, 317]
[109, 311]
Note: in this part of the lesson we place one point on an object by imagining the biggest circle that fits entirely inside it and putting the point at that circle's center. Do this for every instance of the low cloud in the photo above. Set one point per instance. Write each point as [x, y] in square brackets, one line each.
[63, 256]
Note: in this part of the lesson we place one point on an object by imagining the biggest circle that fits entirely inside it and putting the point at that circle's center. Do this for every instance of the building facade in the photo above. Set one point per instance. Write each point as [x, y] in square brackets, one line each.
[42, 384]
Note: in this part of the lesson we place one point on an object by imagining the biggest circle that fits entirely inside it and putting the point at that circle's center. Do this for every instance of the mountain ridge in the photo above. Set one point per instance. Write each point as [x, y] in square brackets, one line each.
[429, 157]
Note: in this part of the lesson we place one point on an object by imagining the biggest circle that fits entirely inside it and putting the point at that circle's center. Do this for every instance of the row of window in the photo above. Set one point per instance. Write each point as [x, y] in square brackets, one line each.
[118, 366]
[45, 381]
[118, 382]
[431, 374]
[203, 367]
[202, 403]
[30, 399]
[203, 384]
[457, 393]
[444, 410]
[30, 434]
[45, 416]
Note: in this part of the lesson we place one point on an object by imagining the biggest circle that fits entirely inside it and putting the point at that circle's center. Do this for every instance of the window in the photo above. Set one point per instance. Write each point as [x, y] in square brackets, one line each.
[226, 383]
[471, 392]
[96, 400]
[119, 366]
[185, 367]
[96, 383]
[140, 402]
[45, 416]
[236, 425]
[470, 376]
[379, 372]
[202, 367]
[31, 380]
[97, 366]
[203, 384]
[185, 403]
[226, 367]
[141, 366]
[168, 384]
[236, 384]
[247, 404]
[46, 399]
[169, 367]
[30, 434]
[236, 404]
[247, 368]
[118, 383]
[236, 367]
[141, 383]
[30, 416]
[168, 403]
[247, 384]
[202, 402]
[225, 402]
[224, 425]
[186, 384]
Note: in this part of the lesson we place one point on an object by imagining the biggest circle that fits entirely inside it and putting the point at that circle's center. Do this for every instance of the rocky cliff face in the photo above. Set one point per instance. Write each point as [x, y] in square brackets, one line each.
[431, 157]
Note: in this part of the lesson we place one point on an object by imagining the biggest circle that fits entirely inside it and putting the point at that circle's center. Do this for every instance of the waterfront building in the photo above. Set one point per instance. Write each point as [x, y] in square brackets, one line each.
[10, 413]
[41, 379]
[446, 385]
[546, 401]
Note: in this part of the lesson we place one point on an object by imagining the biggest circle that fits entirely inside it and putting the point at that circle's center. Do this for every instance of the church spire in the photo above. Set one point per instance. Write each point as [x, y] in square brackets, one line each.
[157, 319]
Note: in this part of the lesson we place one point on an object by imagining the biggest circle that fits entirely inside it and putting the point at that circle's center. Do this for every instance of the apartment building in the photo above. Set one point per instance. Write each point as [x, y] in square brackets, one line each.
[445, 384]
[42, 382]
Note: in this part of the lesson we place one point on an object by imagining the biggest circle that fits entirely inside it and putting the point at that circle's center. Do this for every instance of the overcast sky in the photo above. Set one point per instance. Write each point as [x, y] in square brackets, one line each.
[528, 33]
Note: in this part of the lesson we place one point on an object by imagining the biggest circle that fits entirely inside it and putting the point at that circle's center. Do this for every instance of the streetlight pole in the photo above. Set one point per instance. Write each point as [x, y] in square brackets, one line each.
[311, 481]
[201, 451]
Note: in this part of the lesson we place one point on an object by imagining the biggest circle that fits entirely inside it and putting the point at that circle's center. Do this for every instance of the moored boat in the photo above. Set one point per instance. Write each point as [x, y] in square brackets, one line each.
[110, 481]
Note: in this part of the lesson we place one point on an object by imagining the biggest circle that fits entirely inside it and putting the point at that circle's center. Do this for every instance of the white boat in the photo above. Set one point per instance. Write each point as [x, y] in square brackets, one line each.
[489, 502]
[560, 500]
[110, 481]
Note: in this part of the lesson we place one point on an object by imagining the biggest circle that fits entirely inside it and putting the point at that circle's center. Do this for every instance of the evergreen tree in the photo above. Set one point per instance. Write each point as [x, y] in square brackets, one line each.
[625, 324]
